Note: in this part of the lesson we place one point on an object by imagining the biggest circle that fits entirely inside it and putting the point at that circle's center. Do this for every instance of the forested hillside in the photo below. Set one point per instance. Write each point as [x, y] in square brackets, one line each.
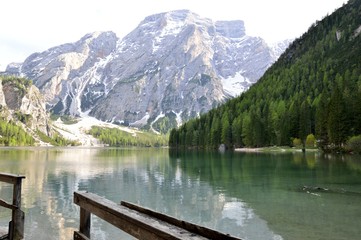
[314, 88]
[117, 138]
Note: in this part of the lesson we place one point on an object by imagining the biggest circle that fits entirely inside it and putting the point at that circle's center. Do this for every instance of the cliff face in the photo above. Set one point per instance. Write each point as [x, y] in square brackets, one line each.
[172, 67]
[22, 102]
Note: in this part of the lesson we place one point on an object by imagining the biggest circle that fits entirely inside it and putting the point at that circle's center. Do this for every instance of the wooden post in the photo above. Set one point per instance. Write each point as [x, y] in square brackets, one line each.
[17, 230]
[16, 225]
[85, 221]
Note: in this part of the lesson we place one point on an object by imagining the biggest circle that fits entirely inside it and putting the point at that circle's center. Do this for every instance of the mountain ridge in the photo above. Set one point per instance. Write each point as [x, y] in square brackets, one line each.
[172, 67]
[310, 95]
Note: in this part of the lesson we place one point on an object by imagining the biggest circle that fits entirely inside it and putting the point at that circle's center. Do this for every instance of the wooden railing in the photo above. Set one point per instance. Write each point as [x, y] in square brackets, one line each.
[137, 221]
[16, 225]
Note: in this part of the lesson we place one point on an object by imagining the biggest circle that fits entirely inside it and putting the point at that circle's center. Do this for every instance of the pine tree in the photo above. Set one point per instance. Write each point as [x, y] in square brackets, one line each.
[336, 119]
[305, 123]
[226, 137]
[237, 131]
[321, 121]
[215, 132]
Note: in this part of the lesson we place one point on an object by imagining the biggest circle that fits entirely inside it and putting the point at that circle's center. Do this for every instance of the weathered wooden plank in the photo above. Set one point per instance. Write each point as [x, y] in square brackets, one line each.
[80, 236]
[18, 216]
[4, 237]
[4, 233]
[16, 226]
[85, 219]
[202, 231]
[134, 223]
[3, 203]
[10, 178]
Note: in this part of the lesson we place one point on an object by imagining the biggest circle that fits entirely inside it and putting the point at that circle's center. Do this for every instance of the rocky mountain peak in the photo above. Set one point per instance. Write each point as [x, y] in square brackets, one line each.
[173, 66]
[173, 20]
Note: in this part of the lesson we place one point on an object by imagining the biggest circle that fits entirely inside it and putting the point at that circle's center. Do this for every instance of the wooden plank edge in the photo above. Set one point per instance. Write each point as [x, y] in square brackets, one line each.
[4, 233]
[130, 221]
[191, 227]
[10, 178]
[4, 204]
[4, 237]
[79, 236]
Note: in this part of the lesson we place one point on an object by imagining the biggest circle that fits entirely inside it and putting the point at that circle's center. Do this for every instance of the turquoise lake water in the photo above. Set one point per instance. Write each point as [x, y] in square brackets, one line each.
[248, 195]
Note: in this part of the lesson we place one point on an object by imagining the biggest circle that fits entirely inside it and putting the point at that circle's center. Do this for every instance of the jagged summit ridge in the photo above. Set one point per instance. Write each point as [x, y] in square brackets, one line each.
[173, 66]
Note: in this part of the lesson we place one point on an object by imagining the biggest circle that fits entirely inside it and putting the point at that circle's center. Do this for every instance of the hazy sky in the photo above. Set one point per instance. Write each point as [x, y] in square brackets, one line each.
[28, 26]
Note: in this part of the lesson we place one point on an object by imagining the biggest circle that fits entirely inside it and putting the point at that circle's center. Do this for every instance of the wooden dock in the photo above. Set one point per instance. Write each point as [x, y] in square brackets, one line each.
[141, 223]
[16, 225]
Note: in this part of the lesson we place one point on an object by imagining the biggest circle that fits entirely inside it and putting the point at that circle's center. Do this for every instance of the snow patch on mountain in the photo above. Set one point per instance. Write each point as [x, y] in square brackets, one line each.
[79, 131]
[143, 121]
[170, 27]
[178, 118]
[236, 84]
[172, 62]
[161, 115]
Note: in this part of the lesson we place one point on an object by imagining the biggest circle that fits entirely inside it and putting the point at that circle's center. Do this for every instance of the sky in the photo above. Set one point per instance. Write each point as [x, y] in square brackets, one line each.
[28, 26]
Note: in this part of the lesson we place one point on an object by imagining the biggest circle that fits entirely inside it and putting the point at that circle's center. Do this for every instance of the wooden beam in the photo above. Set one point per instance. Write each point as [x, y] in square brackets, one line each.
[80, 236]
[202, 231]
[4, 231]
[143, 223]
[134, 223]
[84, 226]
[3, 203]
[16, 225]
[10, 178]
[18, 216]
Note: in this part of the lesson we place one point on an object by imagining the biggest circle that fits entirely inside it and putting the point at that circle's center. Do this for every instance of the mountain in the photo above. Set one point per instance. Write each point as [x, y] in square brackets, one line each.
[62, 72]
[172, 67]
[22, 112]
[311, 94]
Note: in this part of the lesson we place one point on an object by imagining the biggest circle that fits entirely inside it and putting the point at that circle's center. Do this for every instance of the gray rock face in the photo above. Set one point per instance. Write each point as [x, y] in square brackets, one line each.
[61, 73]
[173, 66]
[17, 99]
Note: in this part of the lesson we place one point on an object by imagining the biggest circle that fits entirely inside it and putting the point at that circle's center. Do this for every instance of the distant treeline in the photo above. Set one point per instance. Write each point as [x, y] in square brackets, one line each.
[314, 88]
[117, 138]
[10, 133]
[13, 135]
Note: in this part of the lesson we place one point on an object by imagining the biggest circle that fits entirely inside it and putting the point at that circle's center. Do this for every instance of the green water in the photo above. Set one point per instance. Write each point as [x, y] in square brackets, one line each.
[249, 195]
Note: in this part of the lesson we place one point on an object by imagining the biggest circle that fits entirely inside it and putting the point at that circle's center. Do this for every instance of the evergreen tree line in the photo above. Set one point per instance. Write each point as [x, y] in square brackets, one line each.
[314, 88]
[13, 135]
[56, 139]
[118, 138]
[10, 133]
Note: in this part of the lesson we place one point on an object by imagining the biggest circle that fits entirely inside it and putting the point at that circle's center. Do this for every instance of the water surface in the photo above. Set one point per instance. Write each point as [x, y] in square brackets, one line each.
[249, 195]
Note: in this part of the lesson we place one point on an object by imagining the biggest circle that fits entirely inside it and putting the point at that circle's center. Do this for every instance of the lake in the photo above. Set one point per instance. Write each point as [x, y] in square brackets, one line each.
[248, 195]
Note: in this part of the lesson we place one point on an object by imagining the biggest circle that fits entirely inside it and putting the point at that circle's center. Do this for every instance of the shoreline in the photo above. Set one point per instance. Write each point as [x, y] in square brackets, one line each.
[248, 149]
[275, 149]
